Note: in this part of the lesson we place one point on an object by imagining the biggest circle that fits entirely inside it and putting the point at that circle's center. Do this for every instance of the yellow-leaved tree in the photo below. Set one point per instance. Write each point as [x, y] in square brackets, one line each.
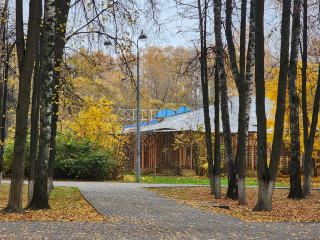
[271, 93]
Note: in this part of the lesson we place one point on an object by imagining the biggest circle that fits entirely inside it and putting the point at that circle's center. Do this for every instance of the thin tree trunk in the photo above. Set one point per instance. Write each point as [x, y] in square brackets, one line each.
[26, 58]
[34, 120]
[307, 161]
[40, 196]
[264, 200]
[231, 48]
[266, 186]
[204, 84]
[62, 12]
[242, 121]
[2, 82]
[310, 141]
[217, 157]
[295, 175]
[4, 104]
[232, 181]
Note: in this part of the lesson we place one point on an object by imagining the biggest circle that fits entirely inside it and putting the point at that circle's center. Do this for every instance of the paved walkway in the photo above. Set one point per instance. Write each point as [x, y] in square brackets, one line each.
[132, 212]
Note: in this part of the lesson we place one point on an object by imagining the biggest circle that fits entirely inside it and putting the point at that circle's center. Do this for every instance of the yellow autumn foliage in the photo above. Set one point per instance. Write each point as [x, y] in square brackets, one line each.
[96, 122]
[271, 93]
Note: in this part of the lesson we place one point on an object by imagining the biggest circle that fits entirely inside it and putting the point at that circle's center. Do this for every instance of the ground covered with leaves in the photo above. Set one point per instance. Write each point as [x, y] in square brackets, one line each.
[67, 204]
[284, 209]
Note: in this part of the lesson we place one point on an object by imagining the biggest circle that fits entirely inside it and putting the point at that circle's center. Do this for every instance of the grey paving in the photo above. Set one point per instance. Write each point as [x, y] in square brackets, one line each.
[132, 212]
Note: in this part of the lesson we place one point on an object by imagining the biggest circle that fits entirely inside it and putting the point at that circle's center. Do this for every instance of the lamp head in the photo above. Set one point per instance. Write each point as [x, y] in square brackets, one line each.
[107, 43]
[142, 36]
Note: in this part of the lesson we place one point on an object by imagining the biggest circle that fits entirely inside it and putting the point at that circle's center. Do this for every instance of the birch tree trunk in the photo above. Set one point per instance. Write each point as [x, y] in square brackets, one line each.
[266, 177]
[26, 58]
[62, 12]
[295, 174]
[232, 181]
[245, 98]
[40, 196]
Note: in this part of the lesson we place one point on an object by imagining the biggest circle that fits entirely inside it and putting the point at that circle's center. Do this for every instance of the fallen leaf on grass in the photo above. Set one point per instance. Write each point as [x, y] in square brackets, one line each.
[67, 204]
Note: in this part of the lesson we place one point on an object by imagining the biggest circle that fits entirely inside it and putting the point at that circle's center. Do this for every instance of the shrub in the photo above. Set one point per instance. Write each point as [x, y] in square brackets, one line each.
[83, 160]
[8, 156]
[75, 158]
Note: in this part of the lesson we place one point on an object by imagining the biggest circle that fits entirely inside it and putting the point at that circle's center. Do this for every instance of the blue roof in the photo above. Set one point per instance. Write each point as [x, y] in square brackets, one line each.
[165, 113]
[183, 109]
[143, 124]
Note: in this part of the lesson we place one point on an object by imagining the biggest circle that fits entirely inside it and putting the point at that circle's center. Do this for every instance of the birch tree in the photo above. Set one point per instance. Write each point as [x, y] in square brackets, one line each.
[40, 195]
[243, 80]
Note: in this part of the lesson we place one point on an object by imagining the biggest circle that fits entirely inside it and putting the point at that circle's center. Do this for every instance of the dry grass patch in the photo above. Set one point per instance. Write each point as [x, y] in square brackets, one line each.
[284, 209]
[67, 204]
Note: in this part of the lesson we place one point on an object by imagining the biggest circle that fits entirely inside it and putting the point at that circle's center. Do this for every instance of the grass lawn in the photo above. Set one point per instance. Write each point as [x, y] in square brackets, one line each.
[284, 209]
[250, 181]
[67, 204]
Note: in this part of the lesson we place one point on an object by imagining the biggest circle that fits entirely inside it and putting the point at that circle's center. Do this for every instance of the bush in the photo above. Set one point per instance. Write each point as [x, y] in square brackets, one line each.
[8, 156]
[83, 160]
[79, 159]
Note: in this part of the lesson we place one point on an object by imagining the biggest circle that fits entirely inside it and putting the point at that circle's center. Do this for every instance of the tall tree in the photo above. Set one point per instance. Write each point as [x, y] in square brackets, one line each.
[295, 175]
[308, 137]
[245, 98]
[245, 88]
[233, 185]
[62, 12]
[267, 176]
[40, 196]
[2, 64]
[232, 181]
[217, 156]
[26, 56]
[204, 83]
[35, 107]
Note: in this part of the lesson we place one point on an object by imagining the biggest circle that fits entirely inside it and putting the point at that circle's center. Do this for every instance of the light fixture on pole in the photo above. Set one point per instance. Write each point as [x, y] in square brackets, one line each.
[108, 43]
[141, 37]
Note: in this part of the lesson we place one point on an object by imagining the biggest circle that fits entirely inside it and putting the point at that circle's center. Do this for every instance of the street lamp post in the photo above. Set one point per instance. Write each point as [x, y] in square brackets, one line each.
[142, 36]
[108, 43]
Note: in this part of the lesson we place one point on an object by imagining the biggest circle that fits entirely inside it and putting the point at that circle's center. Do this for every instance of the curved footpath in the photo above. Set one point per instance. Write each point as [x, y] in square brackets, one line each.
[132, 212]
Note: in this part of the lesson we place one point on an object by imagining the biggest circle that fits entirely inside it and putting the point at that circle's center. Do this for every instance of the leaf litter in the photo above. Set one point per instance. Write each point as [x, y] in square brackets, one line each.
[67, 204]
[284, 209]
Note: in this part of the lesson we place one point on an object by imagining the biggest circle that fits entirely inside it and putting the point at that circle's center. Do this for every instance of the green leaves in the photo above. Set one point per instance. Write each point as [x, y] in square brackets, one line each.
[83, 160]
